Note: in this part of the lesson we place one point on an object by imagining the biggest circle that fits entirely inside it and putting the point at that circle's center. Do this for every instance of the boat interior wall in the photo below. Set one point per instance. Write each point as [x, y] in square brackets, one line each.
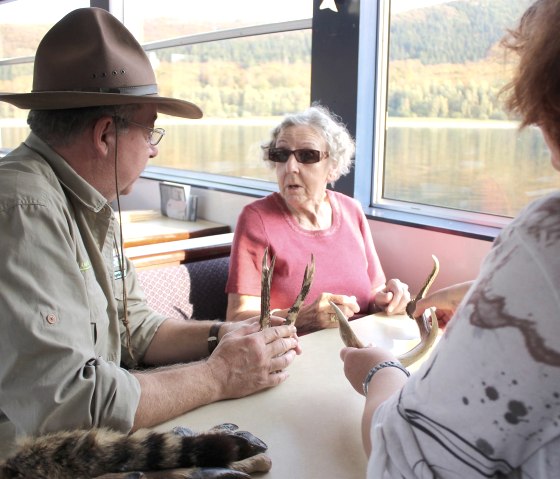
[405, 251]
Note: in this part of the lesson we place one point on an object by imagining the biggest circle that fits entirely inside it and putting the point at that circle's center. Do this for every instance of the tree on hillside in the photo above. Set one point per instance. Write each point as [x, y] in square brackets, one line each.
[455, 32]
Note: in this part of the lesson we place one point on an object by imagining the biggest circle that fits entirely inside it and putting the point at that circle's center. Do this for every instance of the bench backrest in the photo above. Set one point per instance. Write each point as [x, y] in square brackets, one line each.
[193, 290]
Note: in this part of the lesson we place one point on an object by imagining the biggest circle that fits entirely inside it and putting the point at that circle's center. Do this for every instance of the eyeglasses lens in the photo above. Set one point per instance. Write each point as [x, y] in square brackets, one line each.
[156, 135]
[305, 155]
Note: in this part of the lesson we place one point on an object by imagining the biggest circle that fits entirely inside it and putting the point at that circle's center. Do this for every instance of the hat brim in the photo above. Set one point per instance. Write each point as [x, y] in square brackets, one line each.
[60, 100]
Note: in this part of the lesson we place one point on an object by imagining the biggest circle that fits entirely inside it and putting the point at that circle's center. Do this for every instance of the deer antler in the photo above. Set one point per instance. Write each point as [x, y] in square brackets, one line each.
[266, 279]
[428, 335]
[428, 326]
[305, 287]
[411, 306]
[348, 336]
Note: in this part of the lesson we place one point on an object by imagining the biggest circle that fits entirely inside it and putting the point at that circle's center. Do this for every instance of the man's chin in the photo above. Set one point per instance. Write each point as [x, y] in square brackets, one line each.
[127, 190]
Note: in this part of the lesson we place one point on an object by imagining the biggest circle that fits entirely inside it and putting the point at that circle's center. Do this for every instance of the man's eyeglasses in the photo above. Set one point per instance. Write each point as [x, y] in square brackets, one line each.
[155, 135]
[303, 155]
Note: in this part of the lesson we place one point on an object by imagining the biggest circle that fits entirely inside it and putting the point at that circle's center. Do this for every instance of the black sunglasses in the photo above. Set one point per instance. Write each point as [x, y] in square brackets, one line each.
[303, 155]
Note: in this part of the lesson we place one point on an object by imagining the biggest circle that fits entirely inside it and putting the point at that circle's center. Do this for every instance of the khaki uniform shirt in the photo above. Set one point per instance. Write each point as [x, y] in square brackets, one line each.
[61, 293]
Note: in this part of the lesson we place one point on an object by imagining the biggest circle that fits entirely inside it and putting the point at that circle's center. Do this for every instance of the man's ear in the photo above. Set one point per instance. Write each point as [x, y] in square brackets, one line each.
[104, 134]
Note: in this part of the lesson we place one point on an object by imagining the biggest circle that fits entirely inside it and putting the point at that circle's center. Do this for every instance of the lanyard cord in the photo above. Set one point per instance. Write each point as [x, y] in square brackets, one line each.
[120, 247]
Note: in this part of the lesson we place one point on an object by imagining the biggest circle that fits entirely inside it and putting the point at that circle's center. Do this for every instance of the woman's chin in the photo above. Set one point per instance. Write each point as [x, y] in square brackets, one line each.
[293, 198]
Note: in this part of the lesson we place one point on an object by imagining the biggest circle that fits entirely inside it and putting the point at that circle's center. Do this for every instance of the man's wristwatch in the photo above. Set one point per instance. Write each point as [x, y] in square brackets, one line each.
[213, 336]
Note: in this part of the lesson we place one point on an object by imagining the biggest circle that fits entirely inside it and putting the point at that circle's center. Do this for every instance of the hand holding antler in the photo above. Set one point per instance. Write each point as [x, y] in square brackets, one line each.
[305, 286]
[266, 281]
[428, 326]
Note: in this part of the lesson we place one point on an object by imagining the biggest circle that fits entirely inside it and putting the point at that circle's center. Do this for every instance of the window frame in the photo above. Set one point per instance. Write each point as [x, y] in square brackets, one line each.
[356, 96]
[232, 184]
[371, 58]
[370, 142]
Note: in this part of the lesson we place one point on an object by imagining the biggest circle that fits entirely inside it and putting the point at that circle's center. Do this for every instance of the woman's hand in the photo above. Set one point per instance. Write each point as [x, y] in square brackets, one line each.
[320, 314]
[393, 298]
[358, 362]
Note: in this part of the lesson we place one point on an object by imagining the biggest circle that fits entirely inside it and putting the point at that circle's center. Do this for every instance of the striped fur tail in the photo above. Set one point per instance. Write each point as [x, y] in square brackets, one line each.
[84, 454]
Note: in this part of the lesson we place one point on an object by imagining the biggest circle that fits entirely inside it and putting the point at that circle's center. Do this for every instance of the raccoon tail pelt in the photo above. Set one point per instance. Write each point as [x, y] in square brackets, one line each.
[84, 454]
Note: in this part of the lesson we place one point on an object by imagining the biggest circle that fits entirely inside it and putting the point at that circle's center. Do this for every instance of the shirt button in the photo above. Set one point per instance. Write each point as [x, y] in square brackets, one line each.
[52, 319]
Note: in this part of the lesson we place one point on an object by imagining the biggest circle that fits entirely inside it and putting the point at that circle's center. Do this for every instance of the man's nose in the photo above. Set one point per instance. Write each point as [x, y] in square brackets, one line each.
[154, 152]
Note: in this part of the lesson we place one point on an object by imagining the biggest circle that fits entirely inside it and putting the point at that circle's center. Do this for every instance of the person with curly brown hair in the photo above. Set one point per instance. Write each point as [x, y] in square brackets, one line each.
[487, 401]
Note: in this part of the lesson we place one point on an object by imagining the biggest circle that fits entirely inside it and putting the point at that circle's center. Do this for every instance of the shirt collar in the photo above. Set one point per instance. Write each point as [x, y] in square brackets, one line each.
[67, 176]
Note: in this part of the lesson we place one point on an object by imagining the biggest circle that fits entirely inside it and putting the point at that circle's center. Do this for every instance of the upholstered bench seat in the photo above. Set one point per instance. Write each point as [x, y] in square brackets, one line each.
[193, 290]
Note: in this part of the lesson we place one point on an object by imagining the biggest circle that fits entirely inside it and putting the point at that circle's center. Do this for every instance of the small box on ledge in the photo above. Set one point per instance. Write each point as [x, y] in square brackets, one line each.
[177, 201]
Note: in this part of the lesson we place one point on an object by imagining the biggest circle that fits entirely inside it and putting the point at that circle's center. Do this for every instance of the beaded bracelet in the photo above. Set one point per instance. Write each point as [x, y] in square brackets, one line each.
[384, 364]
[213, 336]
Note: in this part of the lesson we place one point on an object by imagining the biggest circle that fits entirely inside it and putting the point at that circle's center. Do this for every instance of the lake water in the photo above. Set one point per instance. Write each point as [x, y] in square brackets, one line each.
[476, 166]
[486, 167]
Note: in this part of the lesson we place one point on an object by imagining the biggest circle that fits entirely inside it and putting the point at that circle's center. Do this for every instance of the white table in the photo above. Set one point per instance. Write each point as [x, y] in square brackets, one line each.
[311, 422]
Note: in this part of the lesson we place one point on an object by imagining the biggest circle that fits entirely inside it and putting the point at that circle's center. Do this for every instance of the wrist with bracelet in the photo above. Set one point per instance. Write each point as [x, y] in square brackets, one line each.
[213, 336]
[384, 364]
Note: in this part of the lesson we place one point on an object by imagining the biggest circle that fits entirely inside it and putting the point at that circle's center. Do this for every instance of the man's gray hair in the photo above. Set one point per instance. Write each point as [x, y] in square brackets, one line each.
[60, 127]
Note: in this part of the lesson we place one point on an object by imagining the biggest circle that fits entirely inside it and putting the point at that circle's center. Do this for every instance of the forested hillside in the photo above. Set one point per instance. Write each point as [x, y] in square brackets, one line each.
[263, 76]
[456, 32]
[444, 63]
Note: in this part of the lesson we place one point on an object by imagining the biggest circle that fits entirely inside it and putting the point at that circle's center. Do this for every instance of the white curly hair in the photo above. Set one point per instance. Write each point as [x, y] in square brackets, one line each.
[340, 144]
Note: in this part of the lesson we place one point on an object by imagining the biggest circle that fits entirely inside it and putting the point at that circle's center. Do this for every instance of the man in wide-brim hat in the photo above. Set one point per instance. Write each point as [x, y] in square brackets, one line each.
[72, 311]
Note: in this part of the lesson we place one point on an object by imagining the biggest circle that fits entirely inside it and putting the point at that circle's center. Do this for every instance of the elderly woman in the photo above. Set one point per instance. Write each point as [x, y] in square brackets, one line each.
[487, 403]
[309, 150]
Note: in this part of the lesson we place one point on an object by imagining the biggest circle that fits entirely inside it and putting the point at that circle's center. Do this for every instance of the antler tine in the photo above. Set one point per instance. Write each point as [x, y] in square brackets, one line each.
[428, 326]
[428, 335]
[266, 279]
[305, 287]
[348, 337]
[411, 306]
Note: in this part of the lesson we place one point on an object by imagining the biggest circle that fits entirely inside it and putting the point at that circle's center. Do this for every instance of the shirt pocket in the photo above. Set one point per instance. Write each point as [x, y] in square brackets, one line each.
[97, 302]
[120, 275]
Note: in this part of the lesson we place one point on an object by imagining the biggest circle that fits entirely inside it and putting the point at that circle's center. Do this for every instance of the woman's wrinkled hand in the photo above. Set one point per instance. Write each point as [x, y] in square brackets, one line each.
[393, 298]
[320, 314]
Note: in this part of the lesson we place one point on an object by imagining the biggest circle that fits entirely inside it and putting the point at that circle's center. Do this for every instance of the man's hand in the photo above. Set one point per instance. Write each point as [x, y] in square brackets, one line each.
[248, 360]
[228, 326]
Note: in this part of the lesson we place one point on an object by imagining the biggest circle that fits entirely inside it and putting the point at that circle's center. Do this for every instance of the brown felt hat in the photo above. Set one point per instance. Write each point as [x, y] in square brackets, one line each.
[89, 58]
